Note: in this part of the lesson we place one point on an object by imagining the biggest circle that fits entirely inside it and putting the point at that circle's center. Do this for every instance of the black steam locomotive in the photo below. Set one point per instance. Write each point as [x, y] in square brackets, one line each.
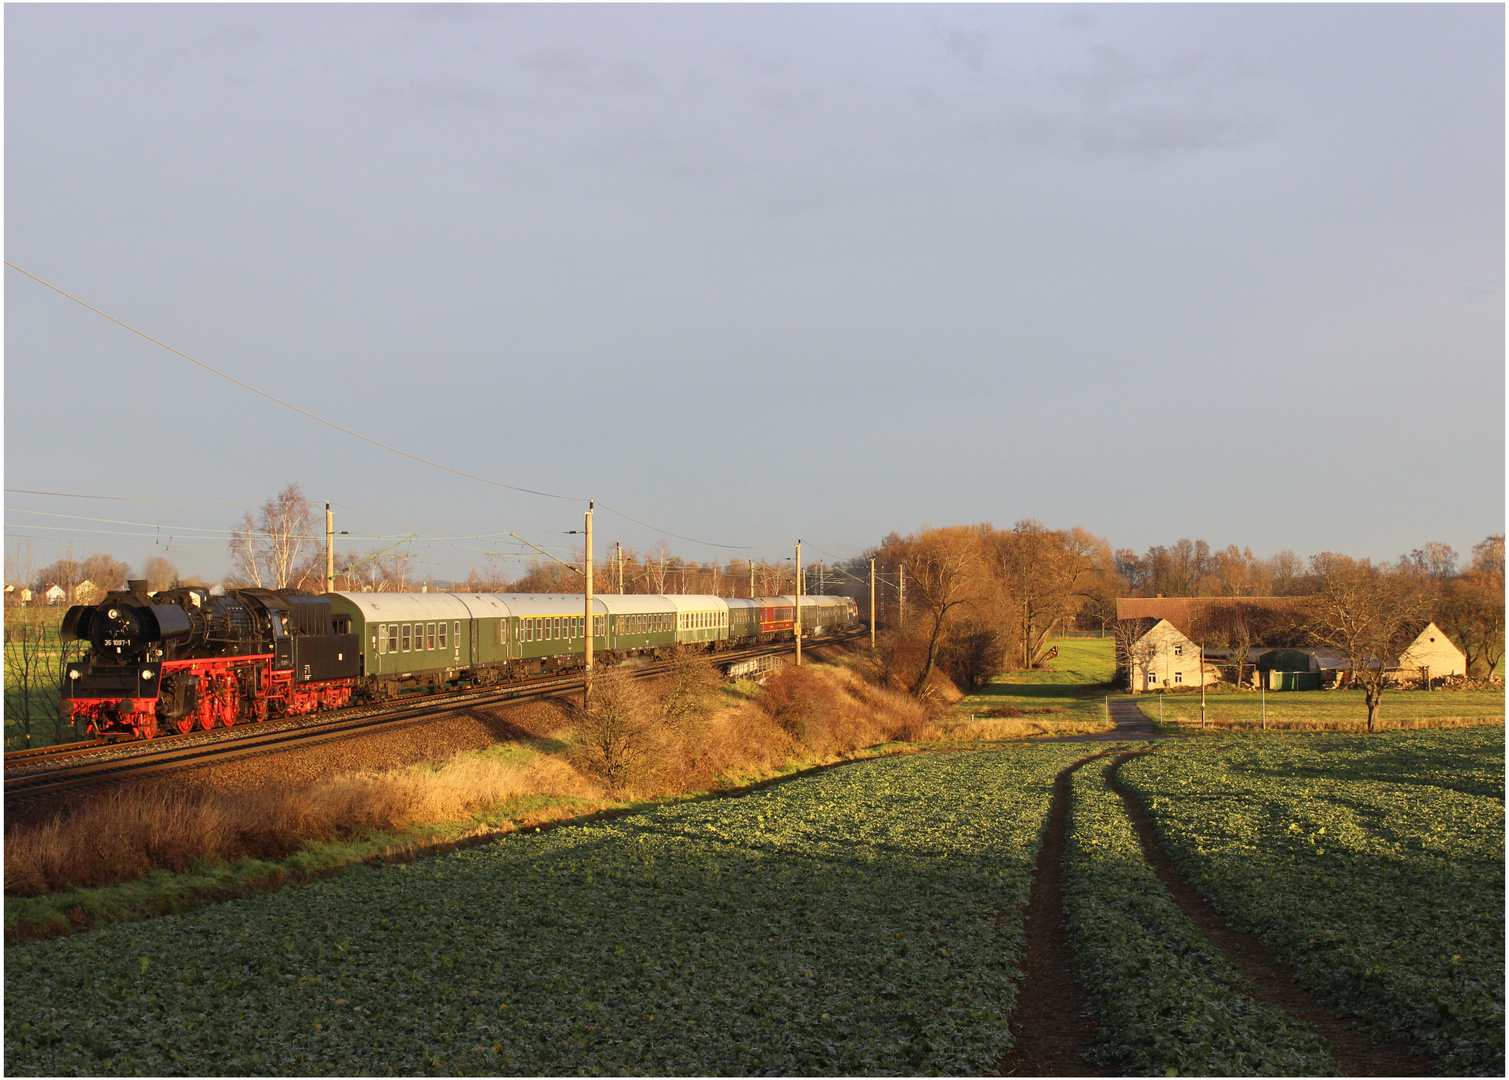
[196, 660]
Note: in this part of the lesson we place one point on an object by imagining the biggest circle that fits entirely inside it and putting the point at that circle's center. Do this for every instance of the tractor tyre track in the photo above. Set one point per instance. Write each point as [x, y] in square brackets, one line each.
[1049, 1023]
[1354, 1051]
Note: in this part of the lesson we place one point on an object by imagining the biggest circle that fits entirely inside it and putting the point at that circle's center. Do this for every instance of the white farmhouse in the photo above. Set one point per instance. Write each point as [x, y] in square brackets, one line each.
[1164, 659]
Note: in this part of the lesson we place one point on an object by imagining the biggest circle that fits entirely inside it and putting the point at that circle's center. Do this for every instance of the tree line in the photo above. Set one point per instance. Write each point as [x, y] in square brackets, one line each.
[966, 601]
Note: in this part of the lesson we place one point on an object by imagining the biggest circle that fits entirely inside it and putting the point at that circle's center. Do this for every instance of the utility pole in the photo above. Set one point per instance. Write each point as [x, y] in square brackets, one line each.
[619, 548]
[589, 587]
[872, 603]
[329, 550]
[796, 611]
[751, 578]
[1202, 685]
[901, 602]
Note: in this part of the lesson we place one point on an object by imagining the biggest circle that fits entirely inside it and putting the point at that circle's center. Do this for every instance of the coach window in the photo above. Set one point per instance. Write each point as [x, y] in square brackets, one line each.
[429, 636]
[393, 637]
[382, 638]
[405, 637]
[442, 635]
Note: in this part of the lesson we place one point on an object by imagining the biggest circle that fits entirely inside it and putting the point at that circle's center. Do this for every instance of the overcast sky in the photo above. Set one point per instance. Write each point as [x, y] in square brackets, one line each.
[749, 273]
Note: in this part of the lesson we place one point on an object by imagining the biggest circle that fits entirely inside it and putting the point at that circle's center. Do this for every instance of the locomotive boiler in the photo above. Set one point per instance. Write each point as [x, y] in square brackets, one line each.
[186, 659]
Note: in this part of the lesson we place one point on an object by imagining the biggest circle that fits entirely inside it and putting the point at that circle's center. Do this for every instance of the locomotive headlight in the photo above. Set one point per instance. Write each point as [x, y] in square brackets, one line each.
[147, 674]
[73, 673]
[112, 614]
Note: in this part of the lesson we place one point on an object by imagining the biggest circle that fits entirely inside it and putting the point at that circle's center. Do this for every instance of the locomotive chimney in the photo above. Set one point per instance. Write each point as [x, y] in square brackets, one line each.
[137, 587]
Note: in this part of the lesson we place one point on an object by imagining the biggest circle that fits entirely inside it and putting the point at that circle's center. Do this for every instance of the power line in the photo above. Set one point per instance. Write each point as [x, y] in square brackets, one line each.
[354, 434]
[123, 498]
[289, 405]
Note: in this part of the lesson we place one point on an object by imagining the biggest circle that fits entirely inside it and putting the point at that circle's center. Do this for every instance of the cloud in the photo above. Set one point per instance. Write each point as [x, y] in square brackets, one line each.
[596, 75]
[969, 46]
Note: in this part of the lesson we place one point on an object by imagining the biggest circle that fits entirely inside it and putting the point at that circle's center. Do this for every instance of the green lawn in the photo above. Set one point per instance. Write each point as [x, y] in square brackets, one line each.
[1075, 681]
[1324, 708]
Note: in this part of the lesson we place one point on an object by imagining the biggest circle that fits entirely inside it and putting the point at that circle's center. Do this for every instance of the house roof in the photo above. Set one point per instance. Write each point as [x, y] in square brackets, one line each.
[1185, 611]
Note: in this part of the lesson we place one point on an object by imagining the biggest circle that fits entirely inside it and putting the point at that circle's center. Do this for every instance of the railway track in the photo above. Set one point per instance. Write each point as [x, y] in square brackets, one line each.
[36, 775]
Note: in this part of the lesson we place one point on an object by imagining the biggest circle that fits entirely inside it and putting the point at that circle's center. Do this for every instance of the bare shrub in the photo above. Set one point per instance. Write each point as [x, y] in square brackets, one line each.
[683, 694]
[620, 736]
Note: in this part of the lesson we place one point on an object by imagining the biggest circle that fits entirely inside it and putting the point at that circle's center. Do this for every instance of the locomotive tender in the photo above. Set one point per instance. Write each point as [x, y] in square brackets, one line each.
[183, 659]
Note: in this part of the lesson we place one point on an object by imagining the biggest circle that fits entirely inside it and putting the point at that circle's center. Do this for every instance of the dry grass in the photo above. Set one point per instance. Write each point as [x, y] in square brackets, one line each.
[690, 738]
[1226, 723]
[134, 831]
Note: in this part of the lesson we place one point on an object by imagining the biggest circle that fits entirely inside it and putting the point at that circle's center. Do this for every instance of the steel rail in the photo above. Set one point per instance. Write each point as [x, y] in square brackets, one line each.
[141, 758]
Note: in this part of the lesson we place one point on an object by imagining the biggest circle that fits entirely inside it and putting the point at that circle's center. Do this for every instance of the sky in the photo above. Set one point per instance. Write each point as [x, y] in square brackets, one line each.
[745, 274]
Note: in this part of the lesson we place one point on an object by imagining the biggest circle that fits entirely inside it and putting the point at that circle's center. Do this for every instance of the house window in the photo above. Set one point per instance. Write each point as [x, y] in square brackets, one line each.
[1178, 650]
[1178, 676]
[1152, 678]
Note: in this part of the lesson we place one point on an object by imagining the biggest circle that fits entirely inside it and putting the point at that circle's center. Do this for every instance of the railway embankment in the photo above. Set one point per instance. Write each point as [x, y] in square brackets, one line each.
[207, 833]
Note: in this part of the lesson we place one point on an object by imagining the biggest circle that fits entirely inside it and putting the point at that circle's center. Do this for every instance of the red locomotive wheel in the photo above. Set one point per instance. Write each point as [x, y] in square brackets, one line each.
[184, 724]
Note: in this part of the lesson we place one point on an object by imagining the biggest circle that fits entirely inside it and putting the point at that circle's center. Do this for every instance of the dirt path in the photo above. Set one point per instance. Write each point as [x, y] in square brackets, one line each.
[1354, 1052]
[1049, 1022]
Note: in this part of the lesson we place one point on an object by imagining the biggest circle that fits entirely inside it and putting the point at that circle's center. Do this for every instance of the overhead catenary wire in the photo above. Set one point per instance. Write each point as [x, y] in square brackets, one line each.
[355, 434]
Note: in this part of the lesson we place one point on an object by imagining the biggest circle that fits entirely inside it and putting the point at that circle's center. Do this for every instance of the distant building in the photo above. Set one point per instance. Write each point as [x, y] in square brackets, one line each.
[55, 595]
[1187, 612]
[1432, 655]
[87, 592]
[1165, 658]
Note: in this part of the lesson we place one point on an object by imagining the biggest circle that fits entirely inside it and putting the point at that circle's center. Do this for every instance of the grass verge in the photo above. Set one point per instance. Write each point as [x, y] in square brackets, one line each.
[1068, 697]
[1323, 710]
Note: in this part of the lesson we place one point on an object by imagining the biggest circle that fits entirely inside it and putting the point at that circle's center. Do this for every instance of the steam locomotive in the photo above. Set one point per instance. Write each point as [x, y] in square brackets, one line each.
[184, 659]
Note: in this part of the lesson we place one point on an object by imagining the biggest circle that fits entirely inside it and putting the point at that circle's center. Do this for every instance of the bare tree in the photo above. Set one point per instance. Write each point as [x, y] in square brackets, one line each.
[1241, 625]
[1369, 615]
[1047, 574]
[1435, 560]
[1133, 649]
[937, 564]
[35, 661]
[1471, 607]
[1488, 556]
[266, 550]
[160, 573]
[619, 735]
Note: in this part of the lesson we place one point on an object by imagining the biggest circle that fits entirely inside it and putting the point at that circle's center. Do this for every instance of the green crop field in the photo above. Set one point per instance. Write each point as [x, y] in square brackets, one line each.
[1075, 681]
[1324, 708]
[1375, 865]
[1167, 1002]
[862, 920]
